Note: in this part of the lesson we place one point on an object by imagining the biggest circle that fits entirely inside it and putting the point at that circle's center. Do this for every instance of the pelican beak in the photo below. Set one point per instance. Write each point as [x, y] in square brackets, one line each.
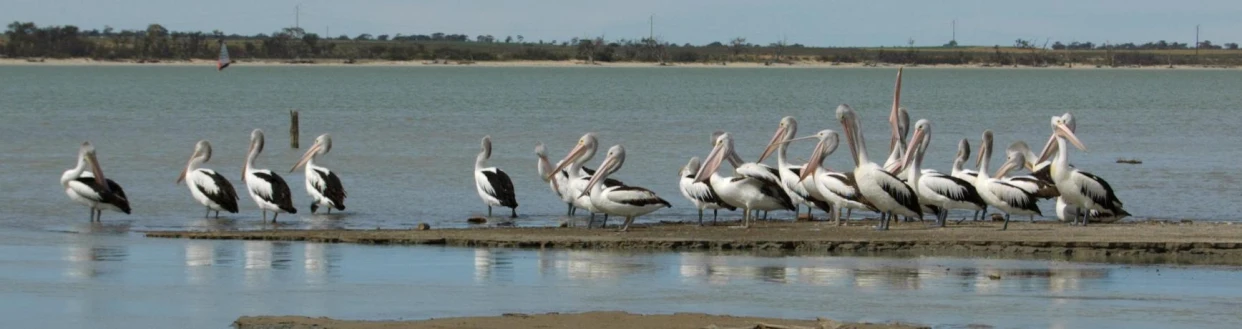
[711, 163]
[1065, 131]
[1049, 148]
[1005, 168]
[605, 169]
[892, 116]
[184, 170]
[774, 143]
[244, 166]
[983, 148]
[851, 139]
[812, 164]
[911, 149]
[99, 175]
[305, 157]
[578, 151]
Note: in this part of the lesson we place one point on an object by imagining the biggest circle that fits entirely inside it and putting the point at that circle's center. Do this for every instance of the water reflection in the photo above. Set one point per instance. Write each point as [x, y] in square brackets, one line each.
[492, 265]
[315, 262]
[600, 266]
[85, 252]
[199, 256]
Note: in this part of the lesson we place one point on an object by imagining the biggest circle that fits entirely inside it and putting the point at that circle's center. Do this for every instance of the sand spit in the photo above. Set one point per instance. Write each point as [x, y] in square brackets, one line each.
[1155, 242]
[596, 320]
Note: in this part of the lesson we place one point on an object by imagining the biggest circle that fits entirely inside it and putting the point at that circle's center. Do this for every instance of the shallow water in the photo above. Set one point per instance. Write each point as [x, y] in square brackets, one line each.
[405, 138]
[116, 279]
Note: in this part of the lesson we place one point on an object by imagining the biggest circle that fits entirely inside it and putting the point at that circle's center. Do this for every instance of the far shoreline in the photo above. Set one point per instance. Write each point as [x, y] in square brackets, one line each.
[572, 63]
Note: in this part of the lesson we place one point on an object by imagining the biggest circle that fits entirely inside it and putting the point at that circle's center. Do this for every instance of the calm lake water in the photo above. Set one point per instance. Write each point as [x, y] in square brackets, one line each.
[405, 139]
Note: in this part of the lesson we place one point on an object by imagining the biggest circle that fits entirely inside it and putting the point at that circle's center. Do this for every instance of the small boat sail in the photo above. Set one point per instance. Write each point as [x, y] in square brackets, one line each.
[224, 57]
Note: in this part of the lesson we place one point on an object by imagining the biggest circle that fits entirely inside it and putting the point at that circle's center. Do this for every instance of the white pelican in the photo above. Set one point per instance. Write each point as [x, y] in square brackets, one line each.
[269, 190]
[798, 190]
[701, 194]
[881, 189]
[494, 185]
[746, 192]
[837, 188]
[899, 122]
[559, 182]
[625, 201]
[998, 192]
[1043, 188]
[91, 188]
[939, 191]
[1079, 188]
[754, 170]
[1066, 212]
[323, 186]
[963, 156]
[207, 186]
[578, 176]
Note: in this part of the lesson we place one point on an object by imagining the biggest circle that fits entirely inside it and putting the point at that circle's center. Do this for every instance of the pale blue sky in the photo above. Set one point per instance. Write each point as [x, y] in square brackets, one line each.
[821, 23]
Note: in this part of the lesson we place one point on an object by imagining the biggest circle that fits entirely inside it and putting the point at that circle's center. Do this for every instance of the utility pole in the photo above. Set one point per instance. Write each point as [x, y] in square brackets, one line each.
[297, 15]
[651, 31]
[954, 24]
[1196, 41]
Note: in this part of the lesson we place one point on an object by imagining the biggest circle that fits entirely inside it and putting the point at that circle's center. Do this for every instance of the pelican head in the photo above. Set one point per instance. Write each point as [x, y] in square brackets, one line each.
[1015, 157]
[612, 163]
[322, 145]
[690, 168]
[256, 140]
[583, 152]
[1062, 127]
[541, 151]
[849, 125]
[86, 152]
[963, 150]
[784, 132]
[918, 143]
[202, 150]
[828, 142]
[486, 145]
[985, 147]
[721, 149]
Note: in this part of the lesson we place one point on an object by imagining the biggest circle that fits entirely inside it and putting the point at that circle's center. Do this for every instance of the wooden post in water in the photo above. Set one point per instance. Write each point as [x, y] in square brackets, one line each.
[293, 128]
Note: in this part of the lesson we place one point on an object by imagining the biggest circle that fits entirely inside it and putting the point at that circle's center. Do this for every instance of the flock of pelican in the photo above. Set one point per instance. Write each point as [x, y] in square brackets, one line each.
[901, 186]
[87, 185]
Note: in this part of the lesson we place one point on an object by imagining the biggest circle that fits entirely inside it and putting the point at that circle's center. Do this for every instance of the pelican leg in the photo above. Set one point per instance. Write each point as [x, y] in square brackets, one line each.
[274, 214]
[205, 215]
[329, 211]
[99, 215]
[1006, 225]
[605, 225]
[836, 216]
[1086, 216]
[217, 214]
[942, 217]
[849, 213]
[715, 212]
[513, 213]
[264, 216]
[700, 216]
[626, 227]
[765, 214]
[92, 212]
[1032, 218]
[489, 211]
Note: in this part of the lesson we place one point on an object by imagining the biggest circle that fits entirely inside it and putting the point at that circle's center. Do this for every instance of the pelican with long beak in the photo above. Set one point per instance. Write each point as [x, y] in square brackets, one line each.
[701, 194]
[572, 166]
[322, 184]
[207, 186]
[493, 184]
[837, 188]
[999, 192]
[882, 189]
[625, 201]
[938, 191]
[798, 190]
[1089, 193]
[91, 188]
[746, 192]
[269, 190]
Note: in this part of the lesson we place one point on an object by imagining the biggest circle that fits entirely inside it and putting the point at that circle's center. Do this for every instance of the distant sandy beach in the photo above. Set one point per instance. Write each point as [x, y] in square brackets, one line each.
[596, 320]
[573, 63]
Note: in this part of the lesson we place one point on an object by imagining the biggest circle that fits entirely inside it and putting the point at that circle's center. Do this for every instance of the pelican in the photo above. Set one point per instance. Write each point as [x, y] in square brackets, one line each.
[746, 192]
[939, 191]
[578, 176]
[493, 184]
[626, 201]
[899, 122]
[1079, 188]
[701, 194]
[754, 170]
[91, 188]
[882, 189]
[998, 192]
[323, 186]
[207, 186]
[559, 182]
[836, 188]
[963, 156]
[1041, 187]
[798, 190]
[269, 190]
[1066, 212]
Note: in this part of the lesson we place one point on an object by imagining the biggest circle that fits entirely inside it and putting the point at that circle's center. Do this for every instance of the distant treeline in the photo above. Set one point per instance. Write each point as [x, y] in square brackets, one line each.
[27, 40]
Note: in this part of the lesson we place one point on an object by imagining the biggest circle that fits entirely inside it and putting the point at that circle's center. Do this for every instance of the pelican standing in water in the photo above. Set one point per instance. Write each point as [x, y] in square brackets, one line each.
[701, 194]
[207, 186]
[626, 201]
[577, 175]
[999, 192]
[789, 173]
[747, 192]
[493, 184]
[268, 190]
[91, 188]
[882, 189]
[1089, 193]
[323, 186]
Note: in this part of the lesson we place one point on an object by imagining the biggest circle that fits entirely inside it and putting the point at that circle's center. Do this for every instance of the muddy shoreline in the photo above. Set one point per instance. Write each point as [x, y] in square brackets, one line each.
[598, 320]
[1156, 242]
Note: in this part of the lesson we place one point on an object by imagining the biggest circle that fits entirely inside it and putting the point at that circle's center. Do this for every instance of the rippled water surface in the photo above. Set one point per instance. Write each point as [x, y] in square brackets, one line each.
[405, 139]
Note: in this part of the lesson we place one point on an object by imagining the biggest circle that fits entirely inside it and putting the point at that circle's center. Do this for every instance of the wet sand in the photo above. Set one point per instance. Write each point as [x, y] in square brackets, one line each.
[597, 320]
[1221, 243]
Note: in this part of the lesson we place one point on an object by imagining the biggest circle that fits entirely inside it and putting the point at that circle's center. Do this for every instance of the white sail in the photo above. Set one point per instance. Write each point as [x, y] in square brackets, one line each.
[224, 57]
